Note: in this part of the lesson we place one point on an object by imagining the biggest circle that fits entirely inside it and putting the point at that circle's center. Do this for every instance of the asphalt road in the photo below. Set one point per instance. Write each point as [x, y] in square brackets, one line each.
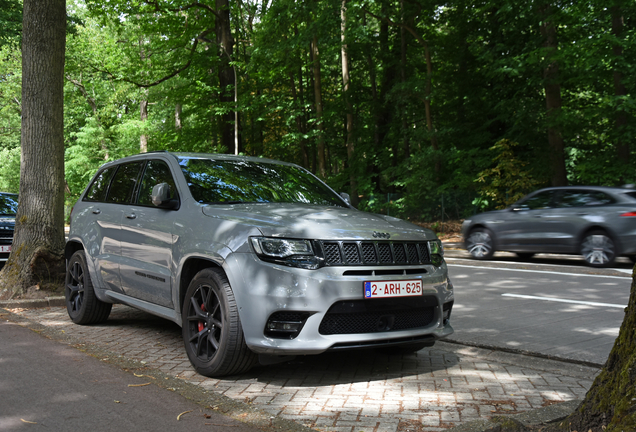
[557, 308]
[47, 385]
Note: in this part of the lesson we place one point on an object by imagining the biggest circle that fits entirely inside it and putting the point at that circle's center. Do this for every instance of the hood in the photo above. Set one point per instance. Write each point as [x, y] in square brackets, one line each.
[318, 222]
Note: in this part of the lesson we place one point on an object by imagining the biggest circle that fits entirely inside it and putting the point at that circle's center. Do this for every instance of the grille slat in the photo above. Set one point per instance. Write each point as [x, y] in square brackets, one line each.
[368, 253]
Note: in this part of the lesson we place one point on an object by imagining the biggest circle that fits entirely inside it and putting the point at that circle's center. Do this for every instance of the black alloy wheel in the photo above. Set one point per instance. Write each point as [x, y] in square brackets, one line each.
[212, 331]
[82, 304]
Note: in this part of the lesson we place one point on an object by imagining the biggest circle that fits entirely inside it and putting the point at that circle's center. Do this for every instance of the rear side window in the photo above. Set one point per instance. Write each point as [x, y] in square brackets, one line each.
[583, 198]
[98, 189]
[124, 183]
[541, 200]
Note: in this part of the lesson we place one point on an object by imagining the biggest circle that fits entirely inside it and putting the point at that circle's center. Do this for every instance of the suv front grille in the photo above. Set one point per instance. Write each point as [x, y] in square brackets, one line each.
[374, 253]
[381, 315]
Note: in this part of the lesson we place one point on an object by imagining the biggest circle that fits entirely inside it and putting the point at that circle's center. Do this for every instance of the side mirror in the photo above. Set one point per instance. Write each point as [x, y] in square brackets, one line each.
[345, 196]
[161, 196]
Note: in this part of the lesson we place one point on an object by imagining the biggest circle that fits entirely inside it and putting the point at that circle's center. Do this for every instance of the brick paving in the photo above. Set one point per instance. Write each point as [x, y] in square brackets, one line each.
[360, 391]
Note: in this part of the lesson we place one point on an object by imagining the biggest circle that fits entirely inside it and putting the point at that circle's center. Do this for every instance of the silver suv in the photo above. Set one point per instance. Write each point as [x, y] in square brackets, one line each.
[255, 259]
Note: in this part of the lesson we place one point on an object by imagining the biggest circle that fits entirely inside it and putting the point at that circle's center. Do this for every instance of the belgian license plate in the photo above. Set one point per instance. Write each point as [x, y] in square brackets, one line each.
[5, 248]
[383, 289]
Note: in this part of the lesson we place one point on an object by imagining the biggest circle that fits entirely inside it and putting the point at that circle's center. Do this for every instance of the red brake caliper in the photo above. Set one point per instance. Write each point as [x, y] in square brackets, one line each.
[201, 323]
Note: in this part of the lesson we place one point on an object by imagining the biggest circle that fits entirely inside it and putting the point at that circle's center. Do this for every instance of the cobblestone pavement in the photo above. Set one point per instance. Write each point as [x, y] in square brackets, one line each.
[358, 391]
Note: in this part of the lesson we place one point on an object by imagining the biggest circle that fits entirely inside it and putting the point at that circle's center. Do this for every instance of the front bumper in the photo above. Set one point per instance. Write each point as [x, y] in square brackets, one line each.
[262, 289]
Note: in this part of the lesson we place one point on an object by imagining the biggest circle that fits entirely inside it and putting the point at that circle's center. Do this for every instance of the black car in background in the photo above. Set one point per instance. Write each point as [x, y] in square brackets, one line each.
[8, 209]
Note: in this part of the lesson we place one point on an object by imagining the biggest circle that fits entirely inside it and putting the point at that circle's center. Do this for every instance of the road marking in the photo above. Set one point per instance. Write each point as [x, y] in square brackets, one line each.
[538, 271]
[565, 301]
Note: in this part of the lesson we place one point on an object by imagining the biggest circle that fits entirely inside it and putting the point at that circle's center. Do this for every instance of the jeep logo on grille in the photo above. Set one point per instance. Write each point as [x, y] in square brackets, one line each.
[381, 235]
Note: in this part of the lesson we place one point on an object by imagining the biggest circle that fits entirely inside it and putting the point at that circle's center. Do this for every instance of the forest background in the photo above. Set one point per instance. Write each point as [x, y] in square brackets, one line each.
[422, 109]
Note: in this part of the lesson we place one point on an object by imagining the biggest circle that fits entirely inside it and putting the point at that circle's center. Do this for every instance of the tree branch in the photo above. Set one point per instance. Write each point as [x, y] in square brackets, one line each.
[200, 37]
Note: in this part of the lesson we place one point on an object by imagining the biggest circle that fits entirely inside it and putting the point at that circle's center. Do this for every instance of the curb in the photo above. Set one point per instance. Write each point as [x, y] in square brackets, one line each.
[35, 303]
[516, 422]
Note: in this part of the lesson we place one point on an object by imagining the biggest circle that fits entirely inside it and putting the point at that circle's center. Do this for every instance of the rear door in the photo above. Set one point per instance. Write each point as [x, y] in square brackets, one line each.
[147, 240]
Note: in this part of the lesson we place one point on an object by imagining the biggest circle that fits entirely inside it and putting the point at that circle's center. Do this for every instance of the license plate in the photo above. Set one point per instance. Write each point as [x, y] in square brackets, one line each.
[5, 248]
[383, 289]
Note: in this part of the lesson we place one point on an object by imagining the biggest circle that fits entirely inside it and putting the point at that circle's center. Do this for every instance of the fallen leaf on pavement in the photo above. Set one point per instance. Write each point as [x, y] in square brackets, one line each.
[138, 385]
[26, 421]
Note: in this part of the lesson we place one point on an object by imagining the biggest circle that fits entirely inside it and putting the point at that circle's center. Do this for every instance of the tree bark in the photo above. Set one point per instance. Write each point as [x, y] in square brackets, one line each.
[346, 85]
[609, 404]
[553, 96]
[622, 144]
[322, 163]
[225, 41]
[38, 245]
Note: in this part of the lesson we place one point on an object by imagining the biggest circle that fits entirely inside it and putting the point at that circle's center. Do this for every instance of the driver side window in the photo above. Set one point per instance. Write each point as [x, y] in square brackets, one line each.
[156, 172]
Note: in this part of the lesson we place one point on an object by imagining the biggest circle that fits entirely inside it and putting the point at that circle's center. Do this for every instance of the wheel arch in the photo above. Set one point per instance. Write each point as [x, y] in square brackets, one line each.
[190, 268]
[72, 247]
[481, 225]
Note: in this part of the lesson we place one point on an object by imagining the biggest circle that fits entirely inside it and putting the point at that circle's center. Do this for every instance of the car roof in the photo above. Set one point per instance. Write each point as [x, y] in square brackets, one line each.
[610, 189]
[194, 155]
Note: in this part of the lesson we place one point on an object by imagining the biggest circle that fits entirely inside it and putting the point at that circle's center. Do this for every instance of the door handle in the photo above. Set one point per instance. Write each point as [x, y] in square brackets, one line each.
[131, 216]
[97, 211]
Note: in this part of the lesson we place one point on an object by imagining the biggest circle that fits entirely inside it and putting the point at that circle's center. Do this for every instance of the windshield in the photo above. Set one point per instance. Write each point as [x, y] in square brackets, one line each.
[241, 181]
[8, 204]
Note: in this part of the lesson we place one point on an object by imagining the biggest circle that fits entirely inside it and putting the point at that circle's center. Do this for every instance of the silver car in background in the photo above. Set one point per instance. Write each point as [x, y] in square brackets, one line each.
[596, 222]
[255, 259]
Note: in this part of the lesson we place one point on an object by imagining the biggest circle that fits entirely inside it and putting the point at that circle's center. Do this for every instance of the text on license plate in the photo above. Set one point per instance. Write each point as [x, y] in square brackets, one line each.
[403, 288]
[5, 248]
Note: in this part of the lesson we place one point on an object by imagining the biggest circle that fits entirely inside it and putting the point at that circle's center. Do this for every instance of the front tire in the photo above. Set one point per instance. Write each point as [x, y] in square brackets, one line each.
[82, 304]
[480, 244]
[598, 249]
[212, 331]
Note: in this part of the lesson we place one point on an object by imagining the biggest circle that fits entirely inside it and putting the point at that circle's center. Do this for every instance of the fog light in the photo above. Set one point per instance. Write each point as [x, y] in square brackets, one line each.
[285, 325]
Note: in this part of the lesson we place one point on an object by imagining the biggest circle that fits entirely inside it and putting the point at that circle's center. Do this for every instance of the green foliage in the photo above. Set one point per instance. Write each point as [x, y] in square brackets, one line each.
[486, 85]
[10, 22]
[508, 181]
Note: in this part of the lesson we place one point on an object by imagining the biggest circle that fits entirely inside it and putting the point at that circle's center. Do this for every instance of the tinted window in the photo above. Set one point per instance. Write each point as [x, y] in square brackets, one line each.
[8, 204]
[123, 184]
[97, 190]
[239, 181]
[541, 200]
[581, 198]
[156, 172]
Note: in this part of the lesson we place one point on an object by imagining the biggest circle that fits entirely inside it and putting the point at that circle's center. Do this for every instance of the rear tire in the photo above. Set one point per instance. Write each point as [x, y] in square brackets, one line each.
[480, 243]
[82, 304]
[212, 332]
[598, 249]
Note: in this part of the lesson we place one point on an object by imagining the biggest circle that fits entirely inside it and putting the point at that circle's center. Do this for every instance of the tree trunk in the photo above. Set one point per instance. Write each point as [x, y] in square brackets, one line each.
[226, 73]
[38, 245]
[609, 404]
[622, 145]
[346, 83]
[322, 163]
[178, 111]
[143, 114]
[553, 97]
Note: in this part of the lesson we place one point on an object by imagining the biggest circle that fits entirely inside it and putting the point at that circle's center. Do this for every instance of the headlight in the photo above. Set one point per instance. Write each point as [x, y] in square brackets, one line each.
[294, 253]
[437, 252]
